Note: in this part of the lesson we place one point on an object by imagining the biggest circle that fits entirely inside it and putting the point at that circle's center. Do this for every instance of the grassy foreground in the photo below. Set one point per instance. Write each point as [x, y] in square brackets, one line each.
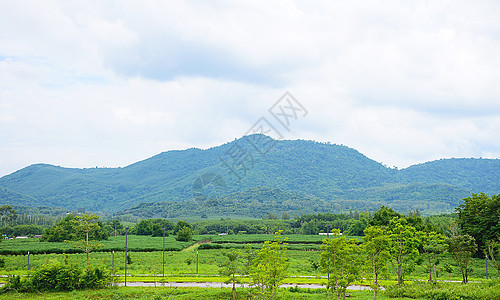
[474, 291]
[178, 293]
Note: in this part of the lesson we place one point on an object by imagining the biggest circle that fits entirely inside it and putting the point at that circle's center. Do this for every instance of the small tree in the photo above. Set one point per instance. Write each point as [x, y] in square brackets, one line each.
[184, 234]
[376, 250]
[462, 247]
[341, 261]
[433, 245]
[231, 267]
[270, 266]
[248, 255]
[492, 252]
[86, 224]
[405, 240]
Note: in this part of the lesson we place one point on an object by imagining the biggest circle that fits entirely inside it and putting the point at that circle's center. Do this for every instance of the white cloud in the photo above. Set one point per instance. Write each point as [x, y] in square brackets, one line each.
[107, 83]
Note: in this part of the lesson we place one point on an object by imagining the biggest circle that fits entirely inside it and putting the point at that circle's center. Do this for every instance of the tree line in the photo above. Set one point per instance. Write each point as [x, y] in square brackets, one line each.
[390, 243]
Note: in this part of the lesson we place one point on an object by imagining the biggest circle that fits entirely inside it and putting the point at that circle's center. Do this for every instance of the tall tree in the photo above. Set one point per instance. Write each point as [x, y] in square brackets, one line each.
[231, 267]
[433, 245]
[270, 266]
[462, 247]
[340, 259]
[248, 255]
[383, 216]
[7, 213]
[405, 240]
[376, 244]
[478, 217]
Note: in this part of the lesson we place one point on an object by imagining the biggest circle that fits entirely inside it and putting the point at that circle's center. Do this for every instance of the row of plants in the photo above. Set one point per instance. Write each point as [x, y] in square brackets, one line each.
[59, 277]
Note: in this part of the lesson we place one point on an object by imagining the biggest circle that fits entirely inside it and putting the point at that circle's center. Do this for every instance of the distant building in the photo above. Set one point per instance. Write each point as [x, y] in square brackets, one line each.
[21, 237]
[324, 233]
[37, 236]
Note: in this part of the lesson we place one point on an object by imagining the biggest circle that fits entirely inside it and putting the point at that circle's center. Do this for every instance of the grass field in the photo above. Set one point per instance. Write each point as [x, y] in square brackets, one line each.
[473, 291]
[142, 293]
[180, 266]
[176, 263]
[117, 243]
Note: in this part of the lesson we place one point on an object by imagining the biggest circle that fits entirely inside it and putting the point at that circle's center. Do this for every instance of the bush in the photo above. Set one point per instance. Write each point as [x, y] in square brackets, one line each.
[184, 234]
[445, 291]
[59, 277]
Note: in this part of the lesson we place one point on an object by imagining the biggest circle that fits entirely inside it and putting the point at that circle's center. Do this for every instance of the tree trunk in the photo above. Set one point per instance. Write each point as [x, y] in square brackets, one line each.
[435, 274]
[87, 249]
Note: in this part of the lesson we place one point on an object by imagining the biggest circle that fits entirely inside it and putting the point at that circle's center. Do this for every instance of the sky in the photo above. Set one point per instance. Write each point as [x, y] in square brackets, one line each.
[108, 83]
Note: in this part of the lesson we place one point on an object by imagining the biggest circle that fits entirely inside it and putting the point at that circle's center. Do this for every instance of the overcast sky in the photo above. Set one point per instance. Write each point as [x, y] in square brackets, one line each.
[108, 83]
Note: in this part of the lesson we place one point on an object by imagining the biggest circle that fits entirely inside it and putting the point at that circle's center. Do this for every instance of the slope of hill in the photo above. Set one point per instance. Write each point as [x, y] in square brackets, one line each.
[319, 172]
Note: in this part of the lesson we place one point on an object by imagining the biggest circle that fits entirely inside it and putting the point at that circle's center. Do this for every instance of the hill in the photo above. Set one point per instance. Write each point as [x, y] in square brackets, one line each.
[317, 176]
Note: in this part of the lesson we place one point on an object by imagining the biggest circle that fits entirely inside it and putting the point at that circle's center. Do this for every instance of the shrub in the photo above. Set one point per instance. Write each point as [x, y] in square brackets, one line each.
[59, 277]
[184, 234]
[444, 291]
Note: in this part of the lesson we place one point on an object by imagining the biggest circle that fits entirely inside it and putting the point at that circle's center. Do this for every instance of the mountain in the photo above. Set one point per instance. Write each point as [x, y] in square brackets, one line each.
[319, 176]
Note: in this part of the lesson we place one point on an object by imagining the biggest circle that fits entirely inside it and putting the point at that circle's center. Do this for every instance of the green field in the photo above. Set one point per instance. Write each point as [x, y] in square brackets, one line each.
[116, 243]
[180, 266]
[143, 293]
[146, 261]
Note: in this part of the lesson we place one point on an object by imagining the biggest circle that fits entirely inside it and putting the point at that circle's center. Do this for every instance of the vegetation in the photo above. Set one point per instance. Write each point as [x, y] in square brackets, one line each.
[376, 255]
[341, 261]
[415, 247]
[297, 176]
[74, 228]
[7, 214]
[86, 224]
[462, 247]
[270, 266]
[231, 267]
[59, 277]
[478, 217]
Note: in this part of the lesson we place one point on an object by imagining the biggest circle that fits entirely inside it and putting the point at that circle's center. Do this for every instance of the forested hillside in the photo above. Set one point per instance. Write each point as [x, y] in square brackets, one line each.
[304, 175]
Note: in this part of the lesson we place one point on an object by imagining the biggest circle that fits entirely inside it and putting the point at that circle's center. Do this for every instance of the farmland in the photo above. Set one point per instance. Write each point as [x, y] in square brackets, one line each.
[180, 259]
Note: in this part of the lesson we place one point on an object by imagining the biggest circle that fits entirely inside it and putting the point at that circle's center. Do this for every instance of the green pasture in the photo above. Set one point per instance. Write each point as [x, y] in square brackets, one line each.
[183, 263]
[146, 293]
[116, 243]
[260, 238]
[147, 257]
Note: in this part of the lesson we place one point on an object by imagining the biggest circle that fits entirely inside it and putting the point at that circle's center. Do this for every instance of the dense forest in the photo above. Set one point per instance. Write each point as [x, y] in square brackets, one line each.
[230, 179]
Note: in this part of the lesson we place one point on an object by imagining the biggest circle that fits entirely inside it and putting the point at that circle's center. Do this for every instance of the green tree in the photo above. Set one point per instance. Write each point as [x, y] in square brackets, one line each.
[478, 217]
[184, 234]
[492, 252]
[357, 227]
[405, 240]
[65, 230]
[462, 247]
[375, 247]
[248, 255]
[180, 225]
[86, 224]
[341, 260]
[383, 216]
[310, 228]
[231, 267]
[270, 266]
[433, 245]
[7, 213]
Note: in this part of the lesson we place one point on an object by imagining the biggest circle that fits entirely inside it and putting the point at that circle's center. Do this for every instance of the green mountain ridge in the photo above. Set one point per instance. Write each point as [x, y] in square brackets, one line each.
[336, 176]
